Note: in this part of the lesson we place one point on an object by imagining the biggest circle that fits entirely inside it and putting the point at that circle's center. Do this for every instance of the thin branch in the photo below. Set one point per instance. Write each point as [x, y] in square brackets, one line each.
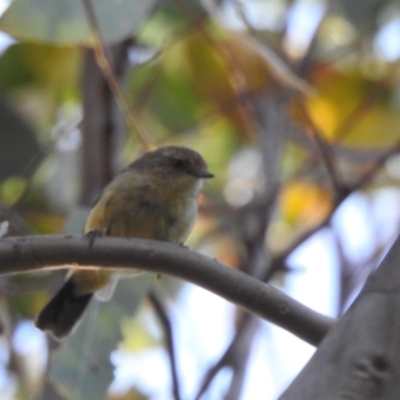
[240, 361]
[230, 358]
[365, 179]
[166, 324]
[325, 151]
[328, 159]
[278, 67]
[251, 223]
[106, 66]
[17, 224]
[34, 253]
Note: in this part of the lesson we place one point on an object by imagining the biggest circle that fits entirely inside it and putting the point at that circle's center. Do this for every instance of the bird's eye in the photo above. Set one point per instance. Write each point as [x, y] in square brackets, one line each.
[178, 163]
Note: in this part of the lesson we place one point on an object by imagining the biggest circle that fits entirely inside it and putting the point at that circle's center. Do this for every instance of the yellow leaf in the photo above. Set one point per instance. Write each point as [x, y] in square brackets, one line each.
[304, 203]
[351, 108]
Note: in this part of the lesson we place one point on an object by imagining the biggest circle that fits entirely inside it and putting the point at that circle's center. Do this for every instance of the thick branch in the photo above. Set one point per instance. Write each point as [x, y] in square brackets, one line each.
[33, 253]
[358, 359]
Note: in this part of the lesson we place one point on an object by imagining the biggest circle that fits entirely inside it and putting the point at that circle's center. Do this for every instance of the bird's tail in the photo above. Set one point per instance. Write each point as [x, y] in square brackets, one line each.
[64, 311]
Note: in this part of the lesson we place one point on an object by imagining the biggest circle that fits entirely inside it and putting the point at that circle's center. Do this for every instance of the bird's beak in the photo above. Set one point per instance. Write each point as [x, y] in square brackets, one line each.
[204, 174]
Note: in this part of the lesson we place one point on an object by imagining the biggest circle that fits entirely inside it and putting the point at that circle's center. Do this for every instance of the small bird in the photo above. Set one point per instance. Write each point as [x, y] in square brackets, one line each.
[155, 197]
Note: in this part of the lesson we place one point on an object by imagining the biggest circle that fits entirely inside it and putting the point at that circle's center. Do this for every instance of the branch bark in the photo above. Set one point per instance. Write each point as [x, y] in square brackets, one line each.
[38, 253]
[358, 359]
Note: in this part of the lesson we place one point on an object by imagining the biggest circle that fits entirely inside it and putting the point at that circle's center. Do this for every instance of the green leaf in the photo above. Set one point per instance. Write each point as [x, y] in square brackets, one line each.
[65, 21]
[81, 368]
[27, 66]
[42, 81]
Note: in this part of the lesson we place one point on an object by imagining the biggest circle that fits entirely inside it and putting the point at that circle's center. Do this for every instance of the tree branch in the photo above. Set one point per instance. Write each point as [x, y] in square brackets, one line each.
[358, 359]
[105, 64]
[162, 315]
[233, 355]
[33, 253]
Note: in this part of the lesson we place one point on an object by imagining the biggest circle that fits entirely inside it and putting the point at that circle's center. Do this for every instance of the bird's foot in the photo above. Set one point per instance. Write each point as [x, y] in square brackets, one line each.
[92, 235]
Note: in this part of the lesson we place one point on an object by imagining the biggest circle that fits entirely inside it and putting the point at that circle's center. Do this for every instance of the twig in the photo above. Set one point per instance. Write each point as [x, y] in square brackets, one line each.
[278, 67]
[17, 224]
[166, 324]
[325, 150]
[106, 66]
[229, 358]
[252, 221]
[240, 361]
[364, 180]
[33, 253]
[327, 157]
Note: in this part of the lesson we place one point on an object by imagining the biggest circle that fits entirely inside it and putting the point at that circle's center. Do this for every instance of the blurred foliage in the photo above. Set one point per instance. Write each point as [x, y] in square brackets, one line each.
[65, 22]
[183, 68]
[305, 203]
[39, 79]
[83, 362]
[352, 108]
[191, 79]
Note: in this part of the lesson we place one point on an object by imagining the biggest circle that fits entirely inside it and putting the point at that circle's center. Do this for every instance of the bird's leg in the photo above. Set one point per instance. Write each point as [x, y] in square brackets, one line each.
[92, 235]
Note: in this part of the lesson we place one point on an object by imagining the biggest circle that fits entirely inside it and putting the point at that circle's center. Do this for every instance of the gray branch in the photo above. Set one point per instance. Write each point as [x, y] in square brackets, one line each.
[33, 253]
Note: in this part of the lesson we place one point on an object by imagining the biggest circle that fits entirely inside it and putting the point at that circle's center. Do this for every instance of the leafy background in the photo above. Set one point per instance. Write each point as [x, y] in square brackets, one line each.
[294, 105]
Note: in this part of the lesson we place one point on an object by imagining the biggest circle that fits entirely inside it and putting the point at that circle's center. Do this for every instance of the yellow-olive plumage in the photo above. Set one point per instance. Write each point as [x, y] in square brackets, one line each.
[155, 197]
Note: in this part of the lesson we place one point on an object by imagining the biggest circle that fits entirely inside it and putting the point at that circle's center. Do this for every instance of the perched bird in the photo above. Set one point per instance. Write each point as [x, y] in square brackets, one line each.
[155, 197]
